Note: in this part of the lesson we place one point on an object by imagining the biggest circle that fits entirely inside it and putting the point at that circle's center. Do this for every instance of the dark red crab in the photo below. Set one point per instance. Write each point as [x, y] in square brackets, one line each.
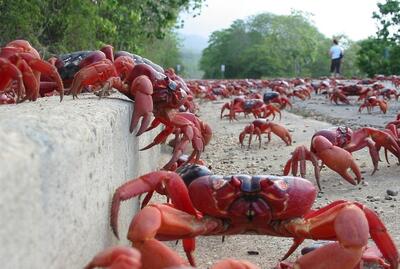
[206, 204]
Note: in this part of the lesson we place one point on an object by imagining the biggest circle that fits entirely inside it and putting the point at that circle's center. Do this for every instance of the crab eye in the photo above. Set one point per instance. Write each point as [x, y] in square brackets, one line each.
[172, 85]
[235, 181]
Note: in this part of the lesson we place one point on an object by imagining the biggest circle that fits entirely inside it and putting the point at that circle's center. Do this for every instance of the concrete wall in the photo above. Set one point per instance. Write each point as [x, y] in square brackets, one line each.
[59, 166]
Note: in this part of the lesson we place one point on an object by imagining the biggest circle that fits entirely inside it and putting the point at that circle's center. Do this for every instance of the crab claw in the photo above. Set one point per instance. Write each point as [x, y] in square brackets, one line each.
[120, 257]
[351, 224]
[143, 89]
[174, 185]
[336, 158]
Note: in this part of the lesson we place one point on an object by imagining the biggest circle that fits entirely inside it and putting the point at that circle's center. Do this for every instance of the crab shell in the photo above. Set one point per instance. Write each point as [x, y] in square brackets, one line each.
[245, 198]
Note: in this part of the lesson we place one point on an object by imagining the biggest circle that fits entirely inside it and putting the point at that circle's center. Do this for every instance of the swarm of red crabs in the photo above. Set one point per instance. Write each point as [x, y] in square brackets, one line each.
[203, 204]
[155, 92]
[372, 93]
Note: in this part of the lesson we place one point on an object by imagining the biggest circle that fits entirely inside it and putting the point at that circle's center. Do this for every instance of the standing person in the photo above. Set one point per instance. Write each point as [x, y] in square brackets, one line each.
[336, 54]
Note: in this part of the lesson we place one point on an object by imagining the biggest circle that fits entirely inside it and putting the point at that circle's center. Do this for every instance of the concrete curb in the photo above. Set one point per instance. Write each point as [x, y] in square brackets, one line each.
[60, 164]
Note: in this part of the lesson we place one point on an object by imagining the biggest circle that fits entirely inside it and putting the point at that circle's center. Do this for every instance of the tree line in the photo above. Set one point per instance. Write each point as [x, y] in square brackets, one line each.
[144, 27]
[264, 45]
[268, 45]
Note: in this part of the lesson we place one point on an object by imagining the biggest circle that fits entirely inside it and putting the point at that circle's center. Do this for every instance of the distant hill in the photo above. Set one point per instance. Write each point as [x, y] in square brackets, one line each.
[192, 46]
[194, 43]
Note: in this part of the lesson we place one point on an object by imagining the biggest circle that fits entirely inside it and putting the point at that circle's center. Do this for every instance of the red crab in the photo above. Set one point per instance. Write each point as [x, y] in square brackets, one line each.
[264, 126]
[187, 128]
[334, 146]
[339, 93]
[336, 95]
[21, 63]
[101, 72]
[122, 257]
[69, 64]
[206, 204]
[257, 107]
[372, 102]
[388, 94]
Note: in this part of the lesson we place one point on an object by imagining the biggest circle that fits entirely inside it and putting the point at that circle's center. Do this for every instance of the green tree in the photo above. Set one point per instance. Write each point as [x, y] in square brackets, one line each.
[268, 45]
[377, 56]
[225, 48]
[381, 54]
[55, 26]
[165, 52]
[389, 19]
[20, 20]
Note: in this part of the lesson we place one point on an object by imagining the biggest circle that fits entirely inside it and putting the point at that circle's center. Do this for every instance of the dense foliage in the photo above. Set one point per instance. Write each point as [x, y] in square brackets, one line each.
[381, 54]
[265, 45]
[388, 18]
[378, 56]
[268, 45]
[56, 26]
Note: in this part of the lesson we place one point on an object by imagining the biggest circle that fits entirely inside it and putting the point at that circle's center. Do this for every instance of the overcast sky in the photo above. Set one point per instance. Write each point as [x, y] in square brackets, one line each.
[350, 17]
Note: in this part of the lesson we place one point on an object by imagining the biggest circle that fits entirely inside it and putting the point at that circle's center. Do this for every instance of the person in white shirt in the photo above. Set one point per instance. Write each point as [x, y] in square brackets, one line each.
[336, 54]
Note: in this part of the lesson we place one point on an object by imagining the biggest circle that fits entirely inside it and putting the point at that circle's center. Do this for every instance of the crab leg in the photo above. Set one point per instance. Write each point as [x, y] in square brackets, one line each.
[247, 130]
[160, 138]
[9, 71]
[225, 106]
[300, 155]
[30, 81]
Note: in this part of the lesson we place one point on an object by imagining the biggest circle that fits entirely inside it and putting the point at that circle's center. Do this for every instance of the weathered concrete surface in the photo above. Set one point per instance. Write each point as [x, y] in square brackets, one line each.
[59, 166]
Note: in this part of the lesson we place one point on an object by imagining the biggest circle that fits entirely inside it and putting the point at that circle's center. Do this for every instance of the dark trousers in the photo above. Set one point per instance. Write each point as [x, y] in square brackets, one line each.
[335, 65]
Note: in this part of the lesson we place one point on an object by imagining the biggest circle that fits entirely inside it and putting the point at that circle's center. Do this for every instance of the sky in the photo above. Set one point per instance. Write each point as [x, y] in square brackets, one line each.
[350, 17]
